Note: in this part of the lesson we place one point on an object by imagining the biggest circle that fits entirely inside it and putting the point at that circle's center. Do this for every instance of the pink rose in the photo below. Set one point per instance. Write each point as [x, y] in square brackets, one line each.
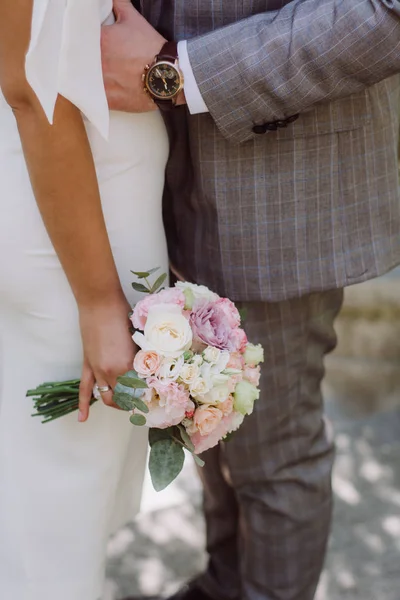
[236, 361]
[146, 363]
[252, 375]
[234, 380]
[211, 326]
[207, 418]
[230, 311]
[226, 407]
[227, 425]
[167, 296]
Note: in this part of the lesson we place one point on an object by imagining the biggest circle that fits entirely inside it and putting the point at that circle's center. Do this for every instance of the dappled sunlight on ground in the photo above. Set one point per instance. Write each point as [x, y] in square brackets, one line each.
[164, 546]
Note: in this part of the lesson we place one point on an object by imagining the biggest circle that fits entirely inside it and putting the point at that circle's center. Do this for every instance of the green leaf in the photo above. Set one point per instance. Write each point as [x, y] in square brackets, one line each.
[139, 287]
[144, 274]
[132, 382]
[124, 401]
[243, 314]
[141, 274]
[156, 435]
[138, 420]
[133, 392]
[198, 460]
[185, 438]
[155, 287]
[166, 462]
[140, 405]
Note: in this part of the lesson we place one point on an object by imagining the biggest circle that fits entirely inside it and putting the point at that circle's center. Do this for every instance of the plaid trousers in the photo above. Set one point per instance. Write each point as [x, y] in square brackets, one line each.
[268, 490]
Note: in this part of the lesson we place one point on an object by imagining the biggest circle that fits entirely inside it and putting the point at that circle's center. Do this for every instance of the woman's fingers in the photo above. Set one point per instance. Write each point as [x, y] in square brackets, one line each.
[107, 397]
[85, 392]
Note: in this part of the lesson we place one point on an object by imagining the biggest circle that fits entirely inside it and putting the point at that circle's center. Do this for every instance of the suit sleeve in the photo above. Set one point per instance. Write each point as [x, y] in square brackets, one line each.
[276, 64]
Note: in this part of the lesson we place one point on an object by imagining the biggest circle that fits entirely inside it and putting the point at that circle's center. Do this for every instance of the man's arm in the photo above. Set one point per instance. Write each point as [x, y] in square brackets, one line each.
[276, 64]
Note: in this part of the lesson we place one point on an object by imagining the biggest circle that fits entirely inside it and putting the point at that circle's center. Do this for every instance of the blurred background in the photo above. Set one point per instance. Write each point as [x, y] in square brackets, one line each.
[164, 546]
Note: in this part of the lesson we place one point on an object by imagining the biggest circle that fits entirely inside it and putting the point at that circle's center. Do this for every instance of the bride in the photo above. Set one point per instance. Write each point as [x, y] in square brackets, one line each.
[80, 200]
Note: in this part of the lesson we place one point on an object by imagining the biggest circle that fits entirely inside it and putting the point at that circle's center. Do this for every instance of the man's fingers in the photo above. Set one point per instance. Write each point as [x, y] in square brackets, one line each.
[85, 393]
[123, 9]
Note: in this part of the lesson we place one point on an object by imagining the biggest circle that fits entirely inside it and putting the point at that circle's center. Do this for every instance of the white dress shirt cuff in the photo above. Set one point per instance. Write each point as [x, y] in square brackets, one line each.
[194, 99]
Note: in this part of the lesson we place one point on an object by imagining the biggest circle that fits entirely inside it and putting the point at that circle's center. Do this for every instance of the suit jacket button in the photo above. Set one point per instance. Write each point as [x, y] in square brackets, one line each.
[260, 129]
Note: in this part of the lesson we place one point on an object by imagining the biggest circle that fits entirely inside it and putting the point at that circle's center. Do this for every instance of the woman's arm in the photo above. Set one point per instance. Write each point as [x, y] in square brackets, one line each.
[64, 181]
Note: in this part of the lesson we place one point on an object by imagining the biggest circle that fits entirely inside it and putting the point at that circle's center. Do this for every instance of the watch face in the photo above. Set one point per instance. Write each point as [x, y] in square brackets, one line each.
[163, 80]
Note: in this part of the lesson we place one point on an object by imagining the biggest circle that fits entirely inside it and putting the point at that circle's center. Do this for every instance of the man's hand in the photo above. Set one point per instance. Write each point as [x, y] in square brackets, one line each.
[127, 47]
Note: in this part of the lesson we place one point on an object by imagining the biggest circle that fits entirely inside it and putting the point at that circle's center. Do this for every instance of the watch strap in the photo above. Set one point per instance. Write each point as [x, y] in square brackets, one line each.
[169, 52]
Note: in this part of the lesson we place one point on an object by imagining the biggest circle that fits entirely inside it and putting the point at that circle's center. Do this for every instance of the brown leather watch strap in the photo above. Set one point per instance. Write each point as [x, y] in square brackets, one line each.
[168, 52]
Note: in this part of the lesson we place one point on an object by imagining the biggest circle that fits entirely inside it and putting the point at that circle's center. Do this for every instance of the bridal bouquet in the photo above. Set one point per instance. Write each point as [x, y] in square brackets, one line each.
[193, 381]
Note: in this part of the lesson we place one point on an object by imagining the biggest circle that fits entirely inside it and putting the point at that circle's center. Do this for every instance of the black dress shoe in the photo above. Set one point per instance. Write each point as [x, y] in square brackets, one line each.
[190, 591]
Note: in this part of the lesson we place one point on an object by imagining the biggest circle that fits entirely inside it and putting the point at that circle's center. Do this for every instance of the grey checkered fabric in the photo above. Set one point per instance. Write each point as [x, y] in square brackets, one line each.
[311, 206]
[268, 489]
[278, 220]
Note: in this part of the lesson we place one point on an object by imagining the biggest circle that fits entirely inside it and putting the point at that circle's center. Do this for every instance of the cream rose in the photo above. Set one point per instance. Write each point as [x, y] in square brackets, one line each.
[253, 354]
[167, 332]
[199, 292]
[212, 355]
[146, 363]
[217, 395]
[199, 388]
[189, 373]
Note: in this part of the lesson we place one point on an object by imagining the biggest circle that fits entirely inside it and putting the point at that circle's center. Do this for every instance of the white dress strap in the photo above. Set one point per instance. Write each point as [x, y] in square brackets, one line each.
[64, 57]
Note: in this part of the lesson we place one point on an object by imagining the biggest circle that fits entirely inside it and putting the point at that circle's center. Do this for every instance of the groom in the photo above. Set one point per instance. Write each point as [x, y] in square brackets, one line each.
[281, 189]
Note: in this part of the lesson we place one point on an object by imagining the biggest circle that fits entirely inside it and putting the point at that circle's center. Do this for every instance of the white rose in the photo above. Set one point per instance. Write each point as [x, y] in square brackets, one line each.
[197, 360]
[217, 394]
[244, 397]
[200, 292]
[199, 388]
[170, 369]
[212, 355]
[253, 354]
[189, 373]
[167, 331]
[211, 373]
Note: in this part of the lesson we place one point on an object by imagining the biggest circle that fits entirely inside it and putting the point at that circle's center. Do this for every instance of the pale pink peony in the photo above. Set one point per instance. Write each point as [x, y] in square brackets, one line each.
[168, 410]
[171, 394]
[207, 418]
[234, 380]
[240, 338]
[211, 326]
[230, 311]
[146, 363]
[227, 425]
[236, 361]
[226, 407]
[252, 375]
[167, 296]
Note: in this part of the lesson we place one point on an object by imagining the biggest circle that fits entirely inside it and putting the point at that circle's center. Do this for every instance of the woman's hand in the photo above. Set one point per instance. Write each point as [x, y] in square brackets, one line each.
[108, 349]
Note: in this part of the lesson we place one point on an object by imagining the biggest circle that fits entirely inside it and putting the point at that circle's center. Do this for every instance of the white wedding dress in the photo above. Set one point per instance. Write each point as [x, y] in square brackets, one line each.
[65, 486]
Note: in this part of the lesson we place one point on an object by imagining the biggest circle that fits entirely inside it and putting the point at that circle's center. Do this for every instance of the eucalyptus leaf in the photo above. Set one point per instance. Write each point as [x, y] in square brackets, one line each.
[132, 382]
[139, 287]
[166, 462]
[198, 460]
[141, 274]
[133, 392]
[140, 405]
[158, 283]
[124, 401]
[156, 435]
[185, 438]
[138, 420]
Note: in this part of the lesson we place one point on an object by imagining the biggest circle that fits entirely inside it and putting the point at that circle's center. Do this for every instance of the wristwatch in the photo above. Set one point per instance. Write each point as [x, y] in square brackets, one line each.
[163, 80]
